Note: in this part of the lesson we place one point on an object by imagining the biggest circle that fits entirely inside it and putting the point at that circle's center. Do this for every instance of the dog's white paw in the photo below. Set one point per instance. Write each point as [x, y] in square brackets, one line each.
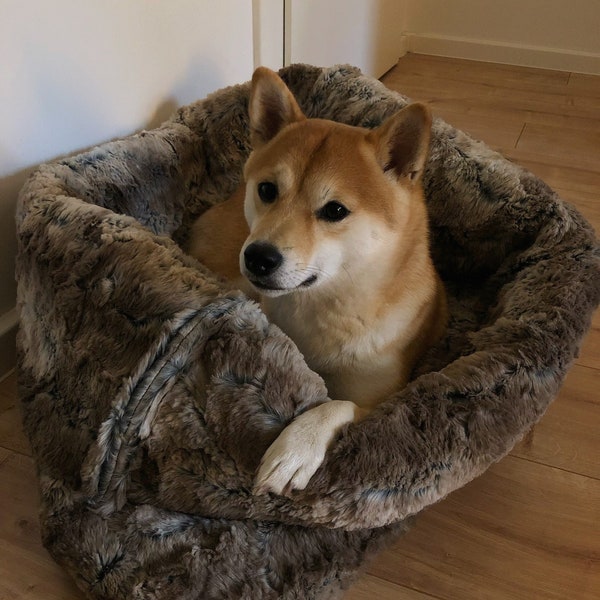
[294, 457]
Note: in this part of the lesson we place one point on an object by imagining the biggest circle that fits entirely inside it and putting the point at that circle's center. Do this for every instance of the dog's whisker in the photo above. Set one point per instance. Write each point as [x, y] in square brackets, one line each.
[305, 269]
[348, 273]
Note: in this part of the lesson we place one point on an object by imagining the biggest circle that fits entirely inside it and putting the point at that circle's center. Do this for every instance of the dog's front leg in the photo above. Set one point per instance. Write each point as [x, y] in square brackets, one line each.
[292, 459]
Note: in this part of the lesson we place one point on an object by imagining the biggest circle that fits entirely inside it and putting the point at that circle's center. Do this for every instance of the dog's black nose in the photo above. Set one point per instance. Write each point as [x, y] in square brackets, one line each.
[262, 258]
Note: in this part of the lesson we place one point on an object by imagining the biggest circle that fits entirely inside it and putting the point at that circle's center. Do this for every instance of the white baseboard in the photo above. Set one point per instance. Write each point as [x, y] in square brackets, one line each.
[405, 43]
[8, 332]
[505, 53]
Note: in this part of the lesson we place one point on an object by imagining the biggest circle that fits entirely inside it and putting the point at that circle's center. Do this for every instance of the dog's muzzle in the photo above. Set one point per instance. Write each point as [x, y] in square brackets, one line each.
[262, 261]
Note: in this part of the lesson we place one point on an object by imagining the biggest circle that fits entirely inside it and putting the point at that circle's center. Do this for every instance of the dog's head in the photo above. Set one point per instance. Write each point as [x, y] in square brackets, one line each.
[325, 202]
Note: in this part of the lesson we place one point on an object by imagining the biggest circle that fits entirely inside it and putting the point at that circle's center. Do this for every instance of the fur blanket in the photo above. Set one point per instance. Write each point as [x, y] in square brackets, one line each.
[150, 390]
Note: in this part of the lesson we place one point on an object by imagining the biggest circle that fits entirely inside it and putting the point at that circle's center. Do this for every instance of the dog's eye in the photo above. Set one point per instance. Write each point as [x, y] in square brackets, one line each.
[267, 191]
[333, 211]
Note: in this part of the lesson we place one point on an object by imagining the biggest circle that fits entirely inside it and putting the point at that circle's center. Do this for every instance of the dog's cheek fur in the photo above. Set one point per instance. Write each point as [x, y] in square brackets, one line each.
[328, 258]
[357, 246]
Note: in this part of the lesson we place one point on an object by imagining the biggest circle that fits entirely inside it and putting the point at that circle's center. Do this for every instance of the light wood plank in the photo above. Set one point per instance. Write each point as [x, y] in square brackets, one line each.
[584, 85]
[503, 92]
[590, 351]
[497, 75]
[556, 108]
[8, 392]
[521, 531]
[586, 203]
[555, 174]
[568, 436]
[374, 588]
[27, 571]
[570, 147]
[497, 132]
[11, 429]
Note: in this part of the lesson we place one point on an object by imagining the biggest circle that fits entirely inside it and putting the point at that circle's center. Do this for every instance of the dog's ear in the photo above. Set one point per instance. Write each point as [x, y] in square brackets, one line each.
[402, 142]
[272, 106]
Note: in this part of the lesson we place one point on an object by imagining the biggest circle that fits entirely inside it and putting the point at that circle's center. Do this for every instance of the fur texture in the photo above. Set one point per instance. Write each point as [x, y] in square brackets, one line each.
[150, 391]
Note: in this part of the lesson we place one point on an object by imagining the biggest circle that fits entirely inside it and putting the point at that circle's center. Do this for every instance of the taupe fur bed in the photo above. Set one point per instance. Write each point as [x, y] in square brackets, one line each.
[150, 390]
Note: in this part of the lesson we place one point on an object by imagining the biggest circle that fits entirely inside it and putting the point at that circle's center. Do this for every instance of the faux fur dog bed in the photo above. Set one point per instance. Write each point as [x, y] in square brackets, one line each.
[150, 391]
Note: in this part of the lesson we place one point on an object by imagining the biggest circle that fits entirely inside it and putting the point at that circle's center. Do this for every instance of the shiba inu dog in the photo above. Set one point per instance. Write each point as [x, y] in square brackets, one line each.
[331, 232]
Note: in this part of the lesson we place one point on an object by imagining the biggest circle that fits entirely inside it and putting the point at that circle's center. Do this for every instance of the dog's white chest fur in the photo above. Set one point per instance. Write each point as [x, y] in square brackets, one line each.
[355, 355]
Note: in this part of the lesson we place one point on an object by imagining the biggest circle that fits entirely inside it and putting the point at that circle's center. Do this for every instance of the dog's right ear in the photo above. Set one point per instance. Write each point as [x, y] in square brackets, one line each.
[402, 142]
[272, 106]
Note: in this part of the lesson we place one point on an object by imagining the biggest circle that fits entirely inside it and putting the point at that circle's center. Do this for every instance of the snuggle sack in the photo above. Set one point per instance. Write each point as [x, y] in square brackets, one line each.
[150, 390]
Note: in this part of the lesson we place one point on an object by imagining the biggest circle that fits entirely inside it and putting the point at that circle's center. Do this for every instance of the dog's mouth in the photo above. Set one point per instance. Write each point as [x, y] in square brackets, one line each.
[267, 287]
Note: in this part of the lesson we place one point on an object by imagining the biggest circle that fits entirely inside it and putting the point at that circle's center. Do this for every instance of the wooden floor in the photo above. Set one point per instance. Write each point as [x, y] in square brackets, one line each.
[530, 527]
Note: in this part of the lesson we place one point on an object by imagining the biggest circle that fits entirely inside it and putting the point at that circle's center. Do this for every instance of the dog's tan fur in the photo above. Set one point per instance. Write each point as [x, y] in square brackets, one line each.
[359, 296]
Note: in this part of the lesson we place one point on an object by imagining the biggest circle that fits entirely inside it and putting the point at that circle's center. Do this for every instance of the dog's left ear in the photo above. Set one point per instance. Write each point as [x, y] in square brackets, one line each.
[272, 106]
[402, 142]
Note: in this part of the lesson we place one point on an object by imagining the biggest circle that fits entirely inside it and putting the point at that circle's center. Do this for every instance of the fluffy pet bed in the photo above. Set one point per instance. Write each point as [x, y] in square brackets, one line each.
[150, 390]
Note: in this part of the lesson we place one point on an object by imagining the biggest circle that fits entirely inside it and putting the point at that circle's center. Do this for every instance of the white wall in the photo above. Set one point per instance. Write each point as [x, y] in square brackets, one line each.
[553, 34]
[364, 33]
[267, 18]
[372, 34]
[75, 73]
